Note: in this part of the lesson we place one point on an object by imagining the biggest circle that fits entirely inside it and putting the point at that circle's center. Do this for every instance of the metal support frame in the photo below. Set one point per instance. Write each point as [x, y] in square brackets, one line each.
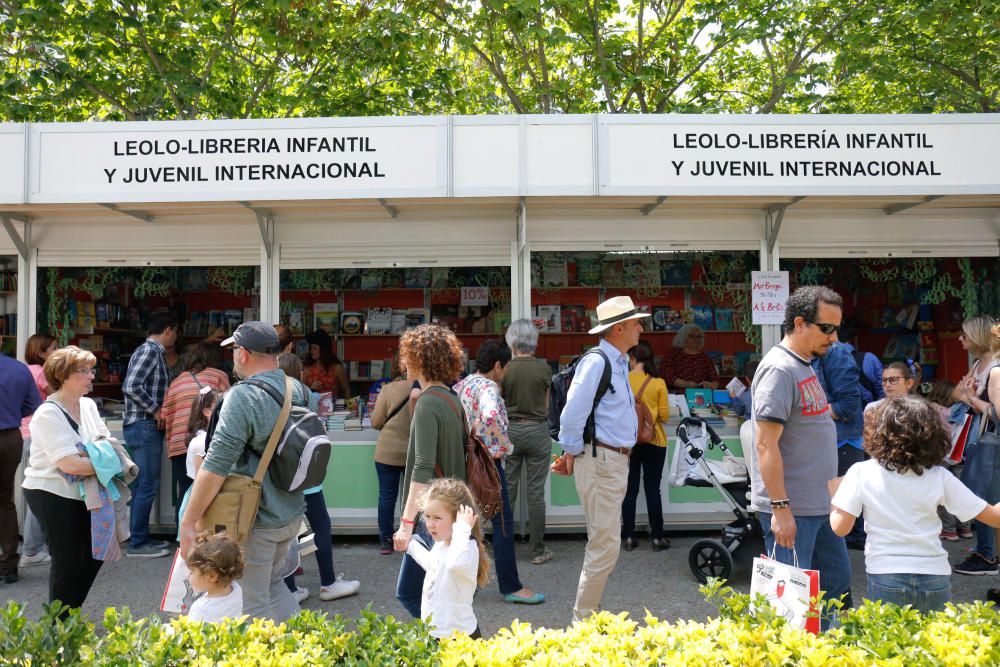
[389, 208]
[138, 215]
[896, 208]
[20, 243]
[265, 221]
[649, 208]
[776, 215]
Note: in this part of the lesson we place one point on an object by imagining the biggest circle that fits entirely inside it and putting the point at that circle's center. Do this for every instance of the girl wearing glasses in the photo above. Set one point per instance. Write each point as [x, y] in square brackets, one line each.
[898, 379]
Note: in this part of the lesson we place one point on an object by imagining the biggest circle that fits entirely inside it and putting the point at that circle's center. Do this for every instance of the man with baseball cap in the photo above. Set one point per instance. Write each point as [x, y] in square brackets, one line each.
[600, 467]
[246, 419]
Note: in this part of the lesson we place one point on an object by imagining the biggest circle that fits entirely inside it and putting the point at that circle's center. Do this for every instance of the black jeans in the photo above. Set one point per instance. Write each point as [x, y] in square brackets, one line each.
[10, 458]
[180, 483]
[67, 533]
[648, 460]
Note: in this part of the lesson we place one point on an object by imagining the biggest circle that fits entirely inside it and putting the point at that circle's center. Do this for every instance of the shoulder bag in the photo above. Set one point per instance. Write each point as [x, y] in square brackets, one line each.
[646, 432]
[234, 508]
[988, 447]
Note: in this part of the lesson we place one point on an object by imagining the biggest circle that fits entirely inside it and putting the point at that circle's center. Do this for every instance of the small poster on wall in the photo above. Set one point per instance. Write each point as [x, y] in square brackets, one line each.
[769, 294]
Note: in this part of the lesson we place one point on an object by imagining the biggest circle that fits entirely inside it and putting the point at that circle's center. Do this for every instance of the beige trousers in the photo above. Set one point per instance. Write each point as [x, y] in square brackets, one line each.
[600, 483]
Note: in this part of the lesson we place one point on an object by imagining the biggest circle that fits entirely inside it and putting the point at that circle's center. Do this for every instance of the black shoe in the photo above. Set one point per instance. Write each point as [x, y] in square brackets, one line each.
[976, 565]
[993, 595]
[660, 544]
[630, 543]
[10, 576]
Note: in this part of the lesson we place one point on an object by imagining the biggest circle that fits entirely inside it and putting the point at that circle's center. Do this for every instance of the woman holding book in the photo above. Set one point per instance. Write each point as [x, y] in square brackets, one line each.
[324, 370]
[687, 365]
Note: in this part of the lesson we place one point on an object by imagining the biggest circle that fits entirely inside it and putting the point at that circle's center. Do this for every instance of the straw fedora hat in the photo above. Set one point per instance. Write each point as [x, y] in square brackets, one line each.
[614, 310]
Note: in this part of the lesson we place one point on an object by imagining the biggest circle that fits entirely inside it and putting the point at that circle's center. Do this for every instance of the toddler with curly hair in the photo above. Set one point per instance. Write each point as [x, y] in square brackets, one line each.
[215, 562]
[899, 490]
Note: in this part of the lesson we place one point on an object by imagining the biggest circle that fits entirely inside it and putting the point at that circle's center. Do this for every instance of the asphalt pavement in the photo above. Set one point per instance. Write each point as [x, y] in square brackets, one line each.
[661, 582]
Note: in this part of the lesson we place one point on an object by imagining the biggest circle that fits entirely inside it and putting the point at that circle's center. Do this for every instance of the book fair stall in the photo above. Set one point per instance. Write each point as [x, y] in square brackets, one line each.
[360, 228]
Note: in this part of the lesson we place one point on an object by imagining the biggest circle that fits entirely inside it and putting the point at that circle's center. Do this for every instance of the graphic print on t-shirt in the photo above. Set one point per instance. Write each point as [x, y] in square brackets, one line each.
[813, 397]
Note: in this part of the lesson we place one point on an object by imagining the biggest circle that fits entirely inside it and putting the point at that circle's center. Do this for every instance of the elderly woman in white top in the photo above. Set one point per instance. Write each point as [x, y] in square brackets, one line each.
[65, 419]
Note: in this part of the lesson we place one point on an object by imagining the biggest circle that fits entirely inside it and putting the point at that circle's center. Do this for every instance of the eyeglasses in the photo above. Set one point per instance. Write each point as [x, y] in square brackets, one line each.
[891, 380]
[86, 371]
[825, 327]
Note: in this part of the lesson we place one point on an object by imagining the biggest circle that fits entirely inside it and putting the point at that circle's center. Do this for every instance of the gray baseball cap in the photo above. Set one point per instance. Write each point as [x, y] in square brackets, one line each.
[256, 337]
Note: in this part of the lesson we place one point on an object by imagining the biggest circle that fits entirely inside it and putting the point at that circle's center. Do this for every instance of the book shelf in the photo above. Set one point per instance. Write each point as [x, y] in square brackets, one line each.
[8, 305]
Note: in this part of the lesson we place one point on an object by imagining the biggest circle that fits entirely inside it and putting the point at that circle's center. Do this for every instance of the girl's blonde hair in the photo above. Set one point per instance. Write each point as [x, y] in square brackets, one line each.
[453, 493]
[219, 554]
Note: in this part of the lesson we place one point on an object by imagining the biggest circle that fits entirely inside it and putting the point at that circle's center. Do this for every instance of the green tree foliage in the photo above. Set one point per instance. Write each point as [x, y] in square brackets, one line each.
[163, 59]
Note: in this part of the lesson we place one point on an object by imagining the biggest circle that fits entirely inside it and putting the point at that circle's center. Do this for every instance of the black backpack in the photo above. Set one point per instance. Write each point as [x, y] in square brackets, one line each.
[560, 390]
[303, 452]
[859, 359]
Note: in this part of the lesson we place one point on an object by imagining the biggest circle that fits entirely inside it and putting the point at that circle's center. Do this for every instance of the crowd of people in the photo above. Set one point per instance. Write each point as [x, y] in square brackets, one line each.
[845, 454]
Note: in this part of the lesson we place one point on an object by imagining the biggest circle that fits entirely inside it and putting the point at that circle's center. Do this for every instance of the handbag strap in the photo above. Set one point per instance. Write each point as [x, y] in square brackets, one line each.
[398, 408]
[272, 442]
[196, 380]
[638, 396]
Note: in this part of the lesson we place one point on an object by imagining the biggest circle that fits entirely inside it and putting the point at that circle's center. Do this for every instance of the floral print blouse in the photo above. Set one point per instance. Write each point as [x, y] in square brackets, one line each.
[486, 412]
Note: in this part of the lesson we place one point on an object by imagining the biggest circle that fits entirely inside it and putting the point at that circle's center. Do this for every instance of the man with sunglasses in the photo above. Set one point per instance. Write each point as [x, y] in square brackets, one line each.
[794, 456]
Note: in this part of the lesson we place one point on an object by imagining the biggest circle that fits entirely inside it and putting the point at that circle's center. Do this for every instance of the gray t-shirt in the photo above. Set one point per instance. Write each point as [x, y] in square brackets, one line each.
[786, 391]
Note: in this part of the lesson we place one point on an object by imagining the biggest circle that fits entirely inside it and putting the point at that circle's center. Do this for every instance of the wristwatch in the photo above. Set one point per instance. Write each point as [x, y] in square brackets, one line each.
[779, 504]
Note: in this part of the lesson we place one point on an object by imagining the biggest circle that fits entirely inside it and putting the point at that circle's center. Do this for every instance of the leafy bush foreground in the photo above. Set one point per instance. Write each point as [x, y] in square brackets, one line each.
[874, 634]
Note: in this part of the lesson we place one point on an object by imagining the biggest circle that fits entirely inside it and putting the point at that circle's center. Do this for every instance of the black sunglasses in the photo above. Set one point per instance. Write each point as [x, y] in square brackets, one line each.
[826, 327]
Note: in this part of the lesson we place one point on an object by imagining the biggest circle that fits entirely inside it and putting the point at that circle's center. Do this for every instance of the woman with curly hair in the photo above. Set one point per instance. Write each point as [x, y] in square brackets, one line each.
[433, 357]
[899, 490]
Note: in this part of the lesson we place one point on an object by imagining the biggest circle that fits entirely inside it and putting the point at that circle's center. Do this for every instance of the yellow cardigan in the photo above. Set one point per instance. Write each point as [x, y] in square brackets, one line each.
[655, 398]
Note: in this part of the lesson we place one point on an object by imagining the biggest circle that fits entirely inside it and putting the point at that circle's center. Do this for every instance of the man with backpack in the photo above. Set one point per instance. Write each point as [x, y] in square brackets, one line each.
[245, 422]
[598, 428]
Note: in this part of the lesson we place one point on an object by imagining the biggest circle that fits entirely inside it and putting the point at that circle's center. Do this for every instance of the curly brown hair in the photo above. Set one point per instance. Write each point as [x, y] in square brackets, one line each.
[218, 554]
[433, 352]
[906, 433]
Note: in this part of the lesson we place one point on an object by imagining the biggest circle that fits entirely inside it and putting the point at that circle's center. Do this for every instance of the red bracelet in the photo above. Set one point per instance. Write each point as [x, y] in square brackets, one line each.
[412, 523]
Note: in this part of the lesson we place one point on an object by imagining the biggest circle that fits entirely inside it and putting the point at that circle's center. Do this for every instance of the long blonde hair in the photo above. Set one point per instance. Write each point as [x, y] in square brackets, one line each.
[453, 493]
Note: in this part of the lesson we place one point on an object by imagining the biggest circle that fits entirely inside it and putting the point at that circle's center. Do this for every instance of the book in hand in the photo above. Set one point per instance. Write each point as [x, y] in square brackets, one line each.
[736, 386]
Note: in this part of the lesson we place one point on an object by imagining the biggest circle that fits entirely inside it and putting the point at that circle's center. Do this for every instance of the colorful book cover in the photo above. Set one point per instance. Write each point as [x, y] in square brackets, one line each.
[296, 321]
[699, 398]
[551, 316]
[352, 322]
[326, 316]
[86, 314]
[417, 316]
[724, 319]
[234, 318]
[397, 321]
[703, 317]
[588, 271]
[378, 320]
[102, 315]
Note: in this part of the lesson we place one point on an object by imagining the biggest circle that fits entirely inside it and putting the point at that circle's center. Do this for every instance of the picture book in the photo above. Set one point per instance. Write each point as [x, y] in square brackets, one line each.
[551, 316]
[296, 322]
[588, 271]
[326, 316]
[703, 317]
[575, 318]
[554, 273]
[397, 321]
[378, 320]
[416, 316]
[736, 386]
[699, 398]
[417, 277]
[724, 319]
[352, 322]
[103, 320]
[234, 318]
[86, 314]
[216, 321]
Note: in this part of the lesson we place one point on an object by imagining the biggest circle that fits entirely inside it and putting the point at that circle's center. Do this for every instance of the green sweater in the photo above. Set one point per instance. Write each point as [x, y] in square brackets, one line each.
[245, 422]
[437, 438]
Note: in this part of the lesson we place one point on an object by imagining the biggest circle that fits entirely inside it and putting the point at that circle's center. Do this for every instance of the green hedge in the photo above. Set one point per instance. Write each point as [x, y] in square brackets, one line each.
[874, 634]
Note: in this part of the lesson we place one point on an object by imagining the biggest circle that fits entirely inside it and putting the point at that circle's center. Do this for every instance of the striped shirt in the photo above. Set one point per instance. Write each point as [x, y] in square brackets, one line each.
[145, 382]
[179, 400]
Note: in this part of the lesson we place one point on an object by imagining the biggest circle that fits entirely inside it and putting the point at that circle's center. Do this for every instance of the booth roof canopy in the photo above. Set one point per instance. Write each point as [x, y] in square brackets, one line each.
[401, 208]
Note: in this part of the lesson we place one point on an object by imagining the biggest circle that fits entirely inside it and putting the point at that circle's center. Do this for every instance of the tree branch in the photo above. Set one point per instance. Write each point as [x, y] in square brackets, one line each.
[156, 63]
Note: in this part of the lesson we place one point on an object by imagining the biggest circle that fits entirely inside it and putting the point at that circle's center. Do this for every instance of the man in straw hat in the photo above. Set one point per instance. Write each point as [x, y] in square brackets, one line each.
[600, 466]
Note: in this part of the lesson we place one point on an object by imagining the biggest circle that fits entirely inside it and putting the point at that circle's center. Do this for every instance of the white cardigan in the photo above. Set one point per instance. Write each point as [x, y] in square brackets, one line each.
[52, 439]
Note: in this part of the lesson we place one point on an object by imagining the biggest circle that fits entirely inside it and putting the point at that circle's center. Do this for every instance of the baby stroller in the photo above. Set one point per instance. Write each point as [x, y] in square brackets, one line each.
[714, 557]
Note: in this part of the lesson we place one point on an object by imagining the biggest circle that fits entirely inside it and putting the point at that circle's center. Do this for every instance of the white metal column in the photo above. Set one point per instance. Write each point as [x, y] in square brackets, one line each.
[770, 333]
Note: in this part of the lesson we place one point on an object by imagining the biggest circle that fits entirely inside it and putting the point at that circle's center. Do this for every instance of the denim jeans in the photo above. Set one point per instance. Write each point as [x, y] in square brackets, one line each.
[818, 548]
[648, 461]
[848, 455]
[146, 443]
[923, 592]
[410, 584]
[319, 521]
[504, 558]
[388, 494]
[980, 460]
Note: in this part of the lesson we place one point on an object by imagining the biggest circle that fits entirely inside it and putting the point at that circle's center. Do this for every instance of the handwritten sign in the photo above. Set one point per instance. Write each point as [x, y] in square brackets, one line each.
[475, 296]
[769, 293]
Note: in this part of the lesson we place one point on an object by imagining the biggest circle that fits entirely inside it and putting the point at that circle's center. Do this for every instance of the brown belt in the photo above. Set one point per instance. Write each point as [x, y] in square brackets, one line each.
[626, 451]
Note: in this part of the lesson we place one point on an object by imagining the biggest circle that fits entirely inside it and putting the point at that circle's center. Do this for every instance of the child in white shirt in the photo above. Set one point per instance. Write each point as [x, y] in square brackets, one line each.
[899, 490]
[215, 562]
[456, 564]
[201, 413]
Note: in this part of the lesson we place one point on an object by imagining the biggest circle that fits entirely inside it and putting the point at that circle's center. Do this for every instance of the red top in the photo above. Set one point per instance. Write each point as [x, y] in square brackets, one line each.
[321, 379]
[678, 364]
[176, 409]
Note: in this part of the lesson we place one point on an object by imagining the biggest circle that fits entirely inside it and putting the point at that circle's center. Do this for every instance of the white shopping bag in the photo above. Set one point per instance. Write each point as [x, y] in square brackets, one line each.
[178, 595]
[788, 589]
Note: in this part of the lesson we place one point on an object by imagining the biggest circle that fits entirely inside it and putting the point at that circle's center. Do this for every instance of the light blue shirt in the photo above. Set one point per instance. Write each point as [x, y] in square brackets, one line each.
[615, 420]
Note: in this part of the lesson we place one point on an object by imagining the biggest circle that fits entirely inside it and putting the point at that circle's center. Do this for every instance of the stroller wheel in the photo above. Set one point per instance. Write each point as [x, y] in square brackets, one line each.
[710, 558]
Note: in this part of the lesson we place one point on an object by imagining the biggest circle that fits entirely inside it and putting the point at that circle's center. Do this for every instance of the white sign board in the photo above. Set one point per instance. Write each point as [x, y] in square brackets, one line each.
[769, 294]
[232, 160]
[11, 164]
[788, 155]
[475, 296]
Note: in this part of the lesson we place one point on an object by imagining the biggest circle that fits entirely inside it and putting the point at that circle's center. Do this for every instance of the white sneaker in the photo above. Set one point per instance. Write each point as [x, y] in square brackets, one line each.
[339, 589]
[300, 594]
[41, 558]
